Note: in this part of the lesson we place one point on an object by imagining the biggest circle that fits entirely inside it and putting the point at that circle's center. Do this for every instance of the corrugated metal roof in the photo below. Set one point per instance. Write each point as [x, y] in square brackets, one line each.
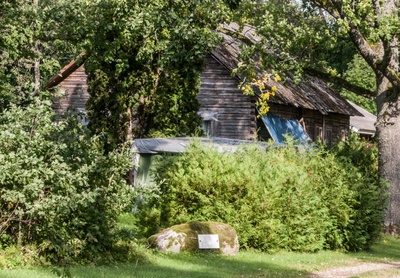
[311, 93]
[179, 144]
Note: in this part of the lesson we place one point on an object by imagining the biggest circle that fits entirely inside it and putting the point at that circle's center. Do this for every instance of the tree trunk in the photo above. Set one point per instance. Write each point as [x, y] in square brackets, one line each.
[388, 131]
[382, 56]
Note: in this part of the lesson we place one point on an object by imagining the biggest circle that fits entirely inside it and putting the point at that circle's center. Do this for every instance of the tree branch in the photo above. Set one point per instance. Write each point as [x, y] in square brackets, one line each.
[340, 82]
[377, 10]
[373, 55]
[335, 9]
[369, 55]
[328, 6]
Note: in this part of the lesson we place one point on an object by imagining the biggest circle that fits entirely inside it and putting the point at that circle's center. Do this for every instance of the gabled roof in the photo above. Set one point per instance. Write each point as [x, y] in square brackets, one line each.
[66, 71]
[311, 93]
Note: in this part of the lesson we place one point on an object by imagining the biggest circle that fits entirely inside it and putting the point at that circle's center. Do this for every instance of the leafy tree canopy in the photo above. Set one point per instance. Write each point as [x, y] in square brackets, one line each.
[37, 39]
[360, 73]
[302, 38]
[144, 66]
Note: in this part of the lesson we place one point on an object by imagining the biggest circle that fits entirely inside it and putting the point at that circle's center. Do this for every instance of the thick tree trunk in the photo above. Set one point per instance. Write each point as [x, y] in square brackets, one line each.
[388, 130]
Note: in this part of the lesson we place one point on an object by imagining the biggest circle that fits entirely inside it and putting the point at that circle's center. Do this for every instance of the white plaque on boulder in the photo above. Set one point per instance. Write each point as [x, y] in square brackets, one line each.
[208, 241]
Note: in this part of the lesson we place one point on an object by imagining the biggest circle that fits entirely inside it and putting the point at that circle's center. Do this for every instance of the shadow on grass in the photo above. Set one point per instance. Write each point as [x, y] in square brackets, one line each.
[388, 248]
[245, 264]
[193, 266]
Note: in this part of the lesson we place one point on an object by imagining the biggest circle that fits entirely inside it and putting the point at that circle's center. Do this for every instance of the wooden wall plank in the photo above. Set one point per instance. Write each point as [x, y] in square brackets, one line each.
[75, 92]
[219, 92]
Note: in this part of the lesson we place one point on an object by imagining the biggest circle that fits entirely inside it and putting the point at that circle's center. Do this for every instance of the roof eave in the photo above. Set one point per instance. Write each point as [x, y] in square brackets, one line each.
[66, 71]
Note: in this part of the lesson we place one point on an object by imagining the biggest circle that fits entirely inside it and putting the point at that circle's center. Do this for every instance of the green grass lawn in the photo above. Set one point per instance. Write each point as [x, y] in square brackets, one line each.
[246, 264]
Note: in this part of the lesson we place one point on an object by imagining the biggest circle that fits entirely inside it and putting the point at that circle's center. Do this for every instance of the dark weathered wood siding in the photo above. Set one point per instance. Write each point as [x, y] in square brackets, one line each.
[237, 114]
[219, 93]
[73, 92]
[329, 128]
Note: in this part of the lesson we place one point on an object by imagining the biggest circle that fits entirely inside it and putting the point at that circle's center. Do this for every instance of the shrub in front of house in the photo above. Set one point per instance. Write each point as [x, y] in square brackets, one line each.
[59, 192]
[279, 198]
[361, 157]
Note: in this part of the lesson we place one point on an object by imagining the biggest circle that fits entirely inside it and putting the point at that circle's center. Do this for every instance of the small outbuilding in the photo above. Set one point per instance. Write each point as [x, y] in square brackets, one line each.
[363, 125]
[72, 93]
[145, 150]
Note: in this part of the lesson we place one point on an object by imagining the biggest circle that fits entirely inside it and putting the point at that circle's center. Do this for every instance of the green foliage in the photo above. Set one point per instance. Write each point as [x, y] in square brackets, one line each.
[45, 33]
[361, 74]
[14, 256]
[299, 35]
[341, 55]
[281, 198]
[145, 66]
[293, 37]
[58, 189]
[370, 191]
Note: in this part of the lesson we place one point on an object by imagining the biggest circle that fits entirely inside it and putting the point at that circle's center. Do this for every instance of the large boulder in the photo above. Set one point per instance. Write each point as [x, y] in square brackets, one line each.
[184, 237]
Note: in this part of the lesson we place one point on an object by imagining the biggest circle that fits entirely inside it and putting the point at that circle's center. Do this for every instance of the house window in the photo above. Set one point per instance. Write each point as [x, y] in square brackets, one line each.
[210, 123]
[206, 126]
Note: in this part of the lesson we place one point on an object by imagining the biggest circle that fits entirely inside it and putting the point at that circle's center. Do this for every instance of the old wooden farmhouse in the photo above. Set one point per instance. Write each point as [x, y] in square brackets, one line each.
[310, 110]
[312, 104]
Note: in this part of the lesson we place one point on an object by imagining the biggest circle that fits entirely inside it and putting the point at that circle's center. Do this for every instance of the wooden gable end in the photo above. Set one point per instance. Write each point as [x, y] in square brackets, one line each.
[219, 94]
[72, 93]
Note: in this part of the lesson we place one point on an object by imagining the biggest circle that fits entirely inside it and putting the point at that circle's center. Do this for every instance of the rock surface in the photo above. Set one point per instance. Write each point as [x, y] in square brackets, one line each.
[183, 237]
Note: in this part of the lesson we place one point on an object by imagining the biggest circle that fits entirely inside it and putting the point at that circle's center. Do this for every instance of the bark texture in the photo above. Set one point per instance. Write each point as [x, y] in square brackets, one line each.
[388, 124]
[388, 130]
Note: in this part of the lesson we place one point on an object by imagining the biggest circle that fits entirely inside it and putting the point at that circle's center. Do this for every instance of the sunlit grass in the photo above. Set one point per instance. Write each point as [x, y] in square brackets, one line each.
[387, 249]
[245, 264]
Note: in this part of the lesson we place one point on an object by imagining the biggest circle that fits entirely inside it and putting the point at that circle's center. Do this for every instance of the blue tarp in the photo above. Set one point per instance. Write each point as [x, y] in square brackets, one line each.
[279, 127]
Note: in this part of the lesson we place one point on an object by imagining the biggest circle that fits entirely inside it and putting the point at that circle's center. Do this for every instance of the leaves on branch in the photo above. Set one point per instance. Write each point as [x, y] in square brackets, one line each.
[340, 82]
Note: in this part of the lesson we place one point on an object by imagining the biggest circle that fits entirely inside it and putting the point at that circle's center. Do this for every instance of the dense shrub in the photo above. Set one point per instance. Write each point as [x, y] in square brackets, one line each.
[370, 192]
[58, 190]
[281, 198]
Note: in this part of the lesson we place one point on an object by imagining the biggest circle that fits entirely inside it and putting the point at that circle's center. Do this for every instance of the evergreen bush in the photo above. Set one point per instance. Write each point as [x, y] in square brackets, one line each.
[360, 157]
[281, 198]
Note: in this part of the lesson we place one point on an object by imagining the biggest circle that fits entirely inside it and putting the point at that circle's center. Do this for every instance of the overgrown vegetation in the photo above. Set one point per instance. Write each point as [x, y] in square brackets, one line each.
[145, 64]
[59, 194]
[281, 198]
